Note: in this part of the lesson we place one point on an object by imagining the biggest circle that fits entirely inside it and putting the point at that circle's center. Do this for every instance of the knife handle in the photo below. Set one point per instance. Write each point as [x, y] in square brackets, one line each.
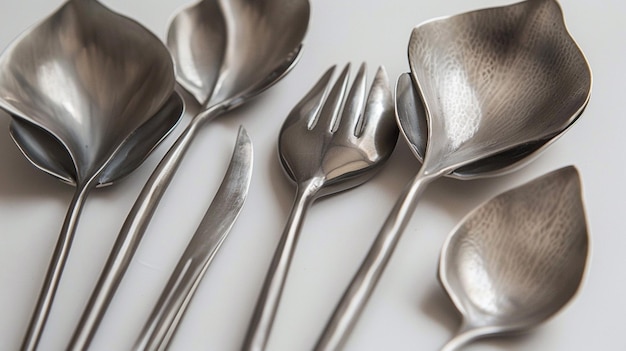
[160, 327]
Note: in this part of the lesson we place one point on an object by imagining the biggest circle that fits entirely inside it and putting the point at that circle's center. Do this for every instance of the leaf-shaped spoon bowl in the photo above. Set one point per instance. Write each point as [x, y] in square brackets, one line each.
[516, 260]
[224, 49]
[410, 113]
[497, 85]
[83, 86]
[225, 53]
[48, 154]
[494, 79]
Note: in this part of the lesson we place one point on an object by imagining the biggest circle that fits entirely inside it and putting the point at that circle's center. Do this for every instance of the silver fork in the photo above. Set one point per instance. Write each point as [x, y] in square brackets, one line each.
[330, 142]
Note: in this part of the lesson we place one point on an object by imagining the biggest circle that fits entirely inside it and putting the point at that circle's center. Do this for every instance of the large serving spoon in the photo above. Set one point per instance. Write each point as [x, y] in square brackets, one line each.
[525, 87]
[516, 260]
[87, 88]
[226, 53]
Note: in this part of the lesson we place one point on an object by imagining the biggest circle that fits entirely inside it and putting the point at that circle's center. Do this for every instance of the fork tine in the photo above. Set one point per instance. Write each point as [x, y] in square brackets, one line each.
[329, 115]
[378, 108]
[308, 108]
[351, 120]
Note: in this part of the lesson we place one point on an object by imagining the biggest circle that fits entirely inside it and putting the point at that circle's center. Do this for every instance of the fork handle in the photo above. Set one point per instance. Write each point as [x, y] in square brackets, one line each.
[269, 297]
[364, 281]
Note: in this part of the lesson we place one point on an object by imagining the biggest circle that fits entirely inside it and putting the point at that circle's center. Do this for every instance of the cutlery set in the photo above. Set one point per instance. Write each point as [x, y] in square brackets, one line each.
[91, 93]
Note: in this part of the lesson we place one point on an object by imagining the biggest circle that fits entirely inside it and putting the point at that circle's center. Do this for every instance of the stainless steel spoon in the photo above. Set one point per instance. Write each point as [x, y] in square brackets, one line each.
[226, 53]
[87, 81]
[492, 81]
[346, 137]
[518, 259]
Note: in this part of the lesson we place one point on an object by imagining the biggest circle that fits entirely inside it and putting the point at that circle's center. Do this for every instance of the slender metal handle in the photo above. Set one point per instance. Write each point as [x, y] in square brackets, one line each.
[55, 268]
[132, 232]
[362, 286]
[269, 297]
[171, 305]
[211, 233]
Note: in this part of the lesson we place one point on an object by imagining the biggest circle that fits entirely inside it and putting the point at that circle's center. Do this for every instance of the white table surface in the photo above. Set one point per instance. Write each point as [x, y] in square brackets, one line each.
[409, 310]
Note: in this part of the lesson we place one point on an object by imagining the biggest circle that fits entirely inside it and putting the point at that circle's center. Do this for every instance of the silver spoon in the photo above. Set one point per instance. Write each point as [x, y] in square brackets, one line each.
[346, 137]
[89, 82]
[525, 86]
[226, 53]
[515, 261]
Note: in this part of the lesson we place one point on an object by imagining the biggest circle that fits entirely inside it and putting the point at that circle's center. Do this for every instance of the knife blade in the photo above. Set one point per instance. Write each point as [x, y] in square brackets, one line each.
[211, 233]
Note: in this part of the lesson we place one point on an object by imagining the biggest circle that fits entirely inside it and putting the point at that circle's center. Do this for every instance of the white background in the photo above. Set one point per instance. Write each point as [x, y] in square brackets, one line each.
[409, 310]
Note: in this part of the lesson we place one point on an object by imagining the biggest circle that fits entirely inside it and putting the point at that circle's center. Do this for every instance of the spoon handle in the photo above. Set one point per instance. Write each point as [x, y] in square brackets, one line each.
[132, 232]
[269, 297]
[55, 268]
[363, 283]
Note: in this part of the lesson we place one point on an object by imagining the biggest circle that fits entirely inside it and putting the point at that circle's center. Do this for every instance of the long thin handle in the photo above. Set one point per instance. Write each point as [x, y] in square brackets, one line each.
[211, 233]
[55, 269]
[269, 297]
[171, 305]
[132, 232]
[360, 289]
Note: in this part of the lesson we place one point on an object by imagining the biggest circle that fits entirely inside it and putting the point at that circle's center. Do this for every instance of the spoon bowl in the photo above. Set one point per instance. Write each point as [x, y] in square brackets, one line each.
[46, 152]
[90, 78]
[81, 86]
[528, 82]
[411, 115]
[519, 258]
[497, 85]
[225, 49]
